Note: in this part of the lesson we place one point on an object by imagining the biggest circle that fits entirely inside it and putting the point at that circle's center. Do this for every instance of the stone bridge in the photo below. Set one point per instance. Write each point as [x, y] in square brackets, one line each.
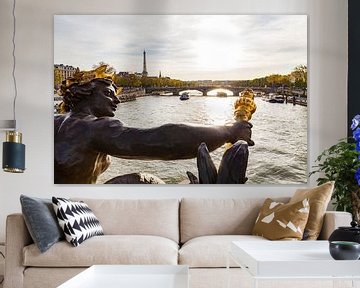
[204, 89]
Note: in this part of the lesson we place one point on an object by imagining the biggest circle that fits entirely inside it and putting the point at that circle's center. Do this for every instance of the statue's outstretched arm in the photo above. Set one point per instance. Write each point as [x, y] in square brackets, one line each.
[167, 142]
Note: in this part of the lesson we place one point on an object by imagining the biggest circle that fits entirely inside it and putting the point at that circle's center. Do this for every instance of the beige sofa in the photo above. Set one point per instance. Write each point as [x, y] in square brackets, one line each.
[194, 232]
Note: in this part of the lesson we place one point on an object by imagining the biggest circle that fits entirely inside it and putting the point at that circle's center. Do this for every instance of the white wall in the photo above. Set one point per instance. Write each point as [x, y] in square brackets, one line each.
[327, 88]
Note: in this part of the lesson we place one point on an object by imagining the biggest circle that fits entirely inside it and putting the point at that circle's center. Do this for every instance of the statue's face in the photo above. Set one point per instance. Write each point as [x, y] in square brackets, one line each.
[104, 101]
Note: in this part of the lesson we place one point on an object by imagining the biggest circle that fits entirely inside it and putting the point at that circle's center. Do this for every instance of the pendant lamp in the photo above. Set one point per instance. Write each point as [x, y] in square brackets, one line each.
[13, 150]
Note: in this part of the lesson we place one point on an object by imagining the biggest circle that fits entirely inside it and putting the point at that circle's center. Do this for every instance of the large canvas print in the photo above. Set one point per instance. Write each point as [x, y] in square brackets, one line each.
[180, 99]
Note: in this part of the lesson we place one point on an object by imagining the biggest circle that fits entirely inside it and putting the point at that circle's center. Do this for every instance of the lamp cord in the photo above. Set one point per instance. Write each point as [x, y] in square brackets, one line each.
[14, 61]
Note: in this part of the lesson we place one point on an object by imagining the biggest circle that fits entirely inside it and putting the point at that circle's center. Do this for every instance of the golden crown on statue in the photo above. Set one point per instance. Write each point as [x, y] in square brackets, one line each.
[84, 77]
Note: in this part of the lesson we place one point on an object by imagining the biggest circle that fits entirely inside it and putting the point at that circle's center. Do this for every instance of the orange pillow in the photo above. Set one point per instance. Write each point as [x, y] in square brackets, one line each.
[319, 198]
[279, 221]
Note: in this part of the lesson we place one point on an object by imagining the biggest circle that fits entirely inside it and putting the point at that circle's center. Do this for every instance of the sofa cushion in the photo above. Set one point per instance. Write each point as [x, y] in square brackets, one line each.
[319, 198]
[279, 221]
[107, 249]
[211, 251]
[35, 277]
[137, 217]
[41, 221]
[201, 217]
[77, 220]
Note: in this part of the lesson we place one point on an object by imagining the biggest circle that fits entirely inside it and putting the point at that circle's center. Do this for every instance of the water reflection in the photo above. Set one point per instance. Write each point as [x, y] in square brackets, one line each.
[280, 134]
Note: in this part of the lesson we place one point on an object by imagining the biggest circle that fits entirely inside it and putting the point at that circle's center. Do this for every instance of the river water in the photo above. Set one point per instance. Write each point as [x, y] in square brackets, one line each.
[279, 131]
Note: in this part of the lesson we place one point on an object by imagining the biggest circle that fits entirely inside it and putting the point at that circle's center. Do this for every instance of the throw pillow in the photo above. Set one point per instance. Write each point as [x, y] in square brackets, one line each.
[279, 221]
[77, 220]
[41, 222]
[319, 198]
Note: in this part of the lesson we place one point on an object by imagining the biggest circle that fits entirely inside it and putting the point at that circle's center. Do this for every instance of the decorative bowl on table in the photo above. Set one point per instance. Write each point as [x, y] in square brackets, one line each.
[344, 250]
[347, 233]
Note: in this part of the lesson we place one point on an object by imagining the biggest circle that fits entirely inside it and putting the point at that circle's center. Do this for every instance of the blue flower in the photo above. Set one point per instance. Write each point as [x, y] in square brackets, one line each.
[355, 122]
[356, 134]
[355, 126]
[357, 176]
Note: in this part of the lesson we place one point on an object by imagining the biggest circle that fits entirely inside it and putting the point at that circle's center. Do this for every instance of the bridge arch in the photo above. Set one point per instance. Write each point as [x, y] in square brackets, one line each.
[220, 92]
[180, 91]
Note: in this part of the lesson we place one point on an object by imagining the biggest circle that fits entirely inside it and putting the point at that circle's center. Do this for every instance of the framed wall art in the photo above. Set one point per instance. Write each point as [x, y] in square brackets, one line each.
[179, 99]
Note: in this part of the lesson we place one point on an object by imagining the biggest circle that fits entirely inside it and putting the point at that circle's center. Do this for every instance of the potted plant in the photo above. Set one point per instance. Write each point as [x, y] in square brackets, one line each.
[341, 163]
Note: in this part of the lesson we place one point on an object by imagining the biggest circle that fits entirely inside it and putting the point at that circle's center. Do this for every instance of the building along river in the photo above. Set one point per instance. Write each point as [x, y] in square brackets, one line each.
[279, 131]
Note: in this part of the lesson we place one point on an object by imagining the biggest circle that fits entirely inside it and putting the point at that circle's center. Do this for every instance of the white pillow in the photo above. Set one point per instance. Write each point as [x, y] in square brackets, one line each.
[76, 220]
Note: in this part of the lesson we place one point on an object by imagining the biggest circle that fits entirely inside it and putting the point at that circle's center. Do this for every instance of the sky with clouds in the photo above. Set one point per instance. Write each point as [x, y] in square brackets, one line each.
[186, 47]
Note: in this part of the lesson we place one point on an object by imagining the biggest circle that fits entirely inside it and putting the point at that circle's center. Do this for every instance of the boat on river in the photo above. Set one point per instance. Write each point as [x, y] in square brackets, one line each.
[276, 99]
[302, 101]
[185, 96]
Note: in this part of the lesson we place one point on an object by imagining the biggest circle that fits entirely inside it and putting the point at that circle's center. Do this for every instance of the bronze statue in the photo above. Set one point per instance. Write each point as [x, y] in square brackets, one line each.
[87, 134]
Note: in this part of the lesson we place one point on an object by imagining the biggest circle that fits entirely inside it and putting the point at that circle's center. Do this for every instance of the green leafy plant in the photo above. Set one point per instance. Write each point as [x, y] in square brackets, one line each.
[341, 163]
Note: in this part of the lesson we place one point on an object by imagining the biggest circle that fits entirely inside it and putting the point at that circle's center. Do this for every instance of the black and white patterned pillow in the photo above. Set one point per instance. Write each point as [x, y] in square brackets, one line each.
[77, 220]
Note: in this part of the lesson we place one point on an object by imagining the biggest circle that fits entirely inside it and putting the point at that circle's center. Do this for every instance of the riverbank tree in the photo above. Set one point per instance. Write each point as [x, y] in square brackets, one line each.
[132, 80]
[297, 78]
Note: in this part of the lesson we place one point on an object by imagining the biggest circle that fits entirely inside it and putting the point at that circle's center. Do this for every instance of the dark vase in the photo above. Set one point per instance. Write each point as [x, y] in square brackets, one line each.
[351, 234]
[344, 250]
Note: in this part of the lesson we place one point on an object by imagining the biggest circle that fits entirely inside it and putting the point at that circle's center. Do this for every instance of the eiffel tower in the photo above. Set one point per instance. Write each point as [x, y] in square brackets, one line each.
[144, 73]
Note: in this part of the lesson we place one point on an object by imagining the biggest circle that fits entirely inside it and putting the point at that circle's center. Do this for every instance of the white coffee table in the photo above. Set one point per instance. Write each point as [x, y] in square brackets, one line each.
[300, 260]
[131, 276]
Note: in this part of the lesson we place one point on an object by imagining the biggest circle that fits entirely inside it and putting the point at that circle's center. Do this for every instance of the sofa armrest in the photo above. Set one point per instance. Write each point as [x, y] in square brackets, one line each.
[17, 237]
[333, 220]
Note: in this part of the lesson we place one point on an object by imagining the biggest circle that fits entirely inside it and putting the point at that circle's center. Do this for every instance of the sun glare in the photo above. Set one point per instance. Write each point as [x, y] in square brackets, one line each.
[217, 57]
